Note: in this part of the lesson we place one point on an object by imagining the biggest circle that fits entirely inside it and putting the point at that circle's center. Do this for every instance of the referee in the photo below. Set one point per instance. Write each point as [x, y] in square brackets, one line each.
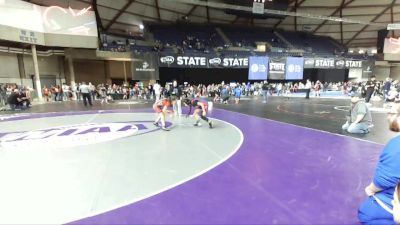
[175, 92]
[84, 89]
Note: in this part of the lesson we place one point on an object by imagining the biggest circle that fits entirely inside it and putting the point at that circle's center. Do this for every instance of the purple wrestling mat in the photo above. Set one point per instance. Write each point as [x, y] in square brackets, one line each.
[282, 174]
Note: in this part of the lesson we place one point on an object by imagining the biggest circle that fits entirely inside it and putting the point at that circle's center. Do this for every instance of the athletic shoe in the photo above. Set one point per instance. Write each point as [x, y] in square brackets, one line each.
[197, 124]
[210, 124]
[165, 129]
[156, 124]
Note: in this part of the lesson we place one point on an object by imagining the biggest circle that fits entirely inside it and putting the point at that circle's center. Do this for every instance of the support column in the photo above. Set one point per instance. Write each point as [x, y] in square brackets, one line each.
[61, 74]
[71, 70]
[341, 23]
[21, 68]
[296, 5]
[107, 72]
[125, 78]
[37, 75]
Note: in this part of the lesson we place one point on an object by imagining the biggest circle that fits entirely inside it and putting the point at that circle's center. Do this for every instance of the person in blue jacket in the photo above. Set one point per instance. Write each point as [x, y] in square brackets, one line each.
[238, 93]
[378, 208]
[396, 204]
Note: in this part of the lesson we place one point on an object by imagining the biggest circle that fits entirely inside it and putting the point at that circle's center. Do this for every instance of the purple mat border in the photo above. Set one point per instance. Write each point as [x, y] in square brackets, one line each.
[252, 186]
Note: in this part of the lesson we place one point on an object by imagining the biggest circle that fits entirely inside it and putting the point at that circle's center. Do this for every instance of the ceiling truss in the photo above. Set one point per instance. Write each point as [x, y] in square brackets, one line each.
[376, 16]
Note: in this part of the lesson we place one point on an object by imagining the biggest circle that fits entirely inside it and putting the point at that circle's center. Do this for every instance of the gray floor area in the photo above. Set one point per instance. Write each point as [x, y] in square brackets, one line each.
[68, 182]
[313, 113]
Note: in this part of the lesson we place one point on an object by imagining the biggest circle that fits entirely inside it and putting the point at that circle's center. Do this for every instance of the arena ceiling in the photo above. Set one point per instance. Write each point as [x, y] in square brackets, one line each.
[125, 16]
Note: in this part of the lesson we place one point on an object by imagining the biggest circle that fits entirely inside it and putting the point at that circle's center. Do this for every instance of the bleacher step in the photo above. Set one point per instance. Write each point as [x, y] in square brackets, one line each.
[283, 39]
[222, 35]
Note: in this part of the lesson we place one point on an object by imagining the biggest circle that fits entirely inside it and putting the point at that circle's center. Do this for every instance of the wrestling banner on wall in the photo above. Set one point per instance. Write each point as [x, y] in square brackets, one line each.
[277, 68]
[368, 68]
[324, 63]
[258, 69]
[294, 68]
[202, 61]
[332, 63]
[146, 67]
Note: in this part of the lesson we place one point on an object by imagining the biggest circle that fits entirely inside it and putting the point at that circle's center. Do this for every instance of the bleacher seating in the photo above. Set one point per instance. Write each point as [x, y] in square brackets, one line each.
[248, 37]
[196, 39]
[113, 47]
[138, 48]
[176, 35]
[312, 43]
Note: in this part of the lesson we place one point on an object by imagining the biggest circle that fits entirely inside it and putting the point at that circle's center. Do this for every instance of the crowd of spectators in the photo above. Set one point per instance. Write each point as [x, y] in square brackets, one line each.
[16, 97]
[191, 42]
[114, 46]
[387, 90]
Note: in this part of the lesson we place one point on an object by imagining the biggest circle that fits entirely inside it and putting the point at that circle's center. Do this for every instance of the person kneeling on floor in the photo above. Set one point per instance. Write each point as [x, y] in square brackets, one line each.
[359, 120]
[18, 100]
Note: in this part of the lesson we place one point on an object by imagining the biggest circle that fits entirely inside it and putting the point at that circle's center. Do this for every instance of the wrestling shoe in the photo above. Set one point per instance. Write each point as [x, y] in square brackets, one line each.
[165, 129]
[210, 124]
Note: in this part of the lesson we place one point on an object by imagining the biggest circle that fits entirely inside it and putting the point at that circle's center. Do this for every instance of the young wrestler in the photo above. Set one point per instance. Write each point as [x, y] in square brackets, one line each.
[161, 108]
[200, 110]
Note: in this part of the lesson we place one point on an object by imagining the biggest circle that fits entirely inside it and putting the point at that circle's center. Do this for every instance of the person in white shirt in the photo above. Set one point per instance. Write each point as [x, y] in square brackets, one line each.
[308, 88]
[157, 90]
[92, 89]
[66, 92]
[392, 94]
[85, 91]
